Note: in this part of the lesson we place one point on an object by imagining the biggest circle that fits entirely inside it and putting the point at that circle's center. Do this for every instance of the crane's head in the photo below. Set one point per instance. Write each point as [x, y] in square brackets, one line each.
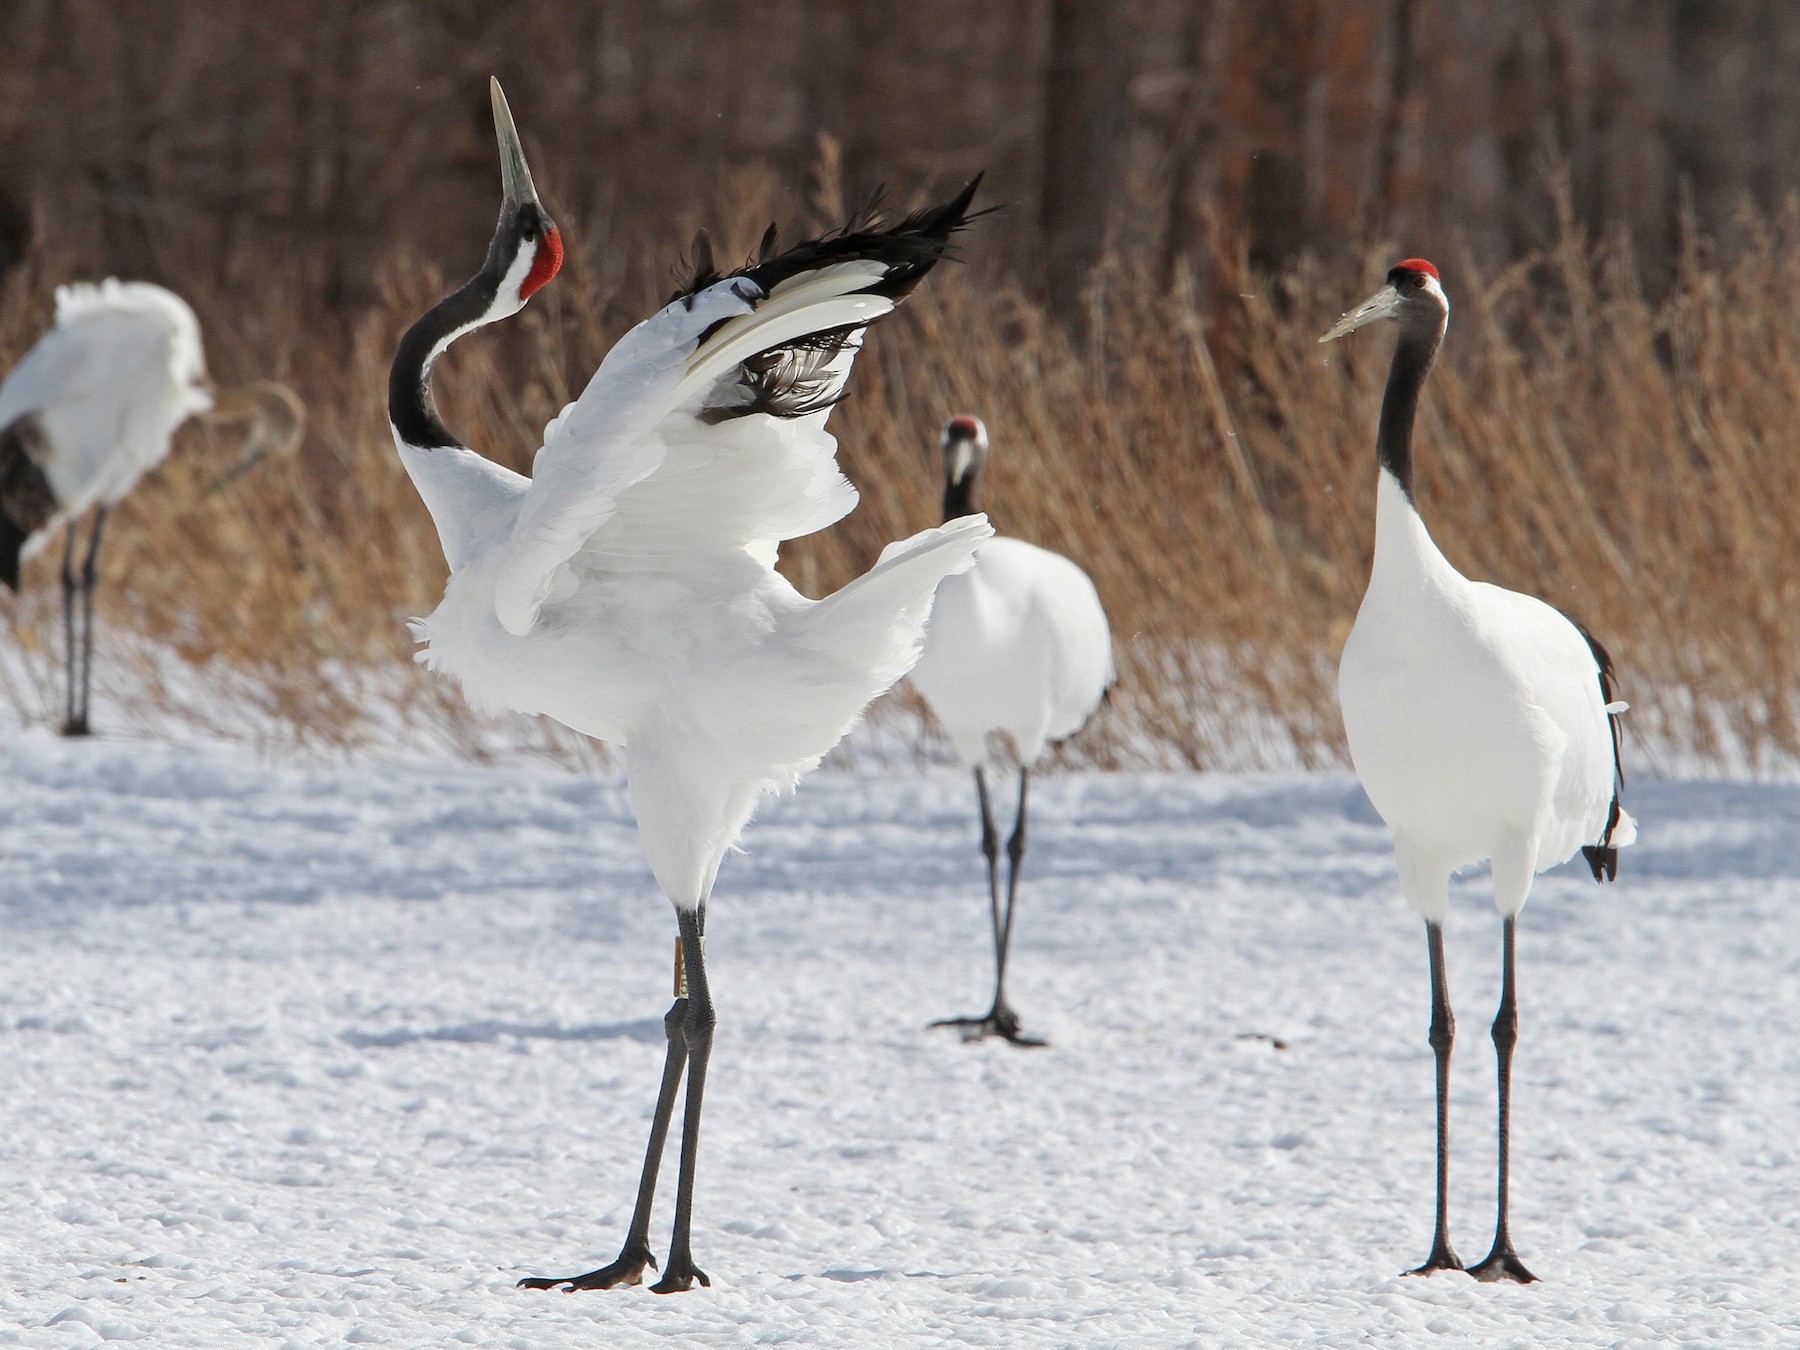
[965, 447]
[1412, 297]
[527, 248]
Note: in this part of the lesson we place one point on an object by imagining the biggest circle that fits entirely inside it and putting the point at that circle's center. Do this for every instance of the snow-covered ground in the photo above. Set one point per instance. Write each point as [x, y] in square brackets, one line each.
[298, 1056]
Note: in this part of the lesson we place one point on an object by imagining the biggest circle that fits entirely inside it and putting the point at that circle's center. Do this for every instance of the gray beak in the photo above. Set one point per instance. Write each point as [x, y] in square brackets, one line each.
[515, 174]
[1380, 305]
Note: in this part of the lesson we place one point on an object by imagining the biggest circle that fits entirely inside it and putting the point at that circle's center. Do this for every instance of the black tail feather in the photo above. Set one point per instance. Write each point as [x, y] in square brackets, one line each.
[1602, 857]
[12, 539]
[26, 500]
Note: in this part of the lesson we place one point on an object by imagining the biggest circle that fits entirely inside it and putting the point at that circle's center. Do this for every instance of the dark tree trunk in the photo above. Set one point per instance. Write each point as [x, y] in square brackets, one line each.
[1084, 96]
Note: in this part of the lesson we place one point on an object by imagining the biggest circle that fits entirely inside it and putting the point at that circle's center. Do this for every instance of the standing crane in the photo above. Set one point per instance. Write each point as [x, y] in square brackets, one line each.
[90, 409]
[1017, 648]
[628, 587]
[1481, 721]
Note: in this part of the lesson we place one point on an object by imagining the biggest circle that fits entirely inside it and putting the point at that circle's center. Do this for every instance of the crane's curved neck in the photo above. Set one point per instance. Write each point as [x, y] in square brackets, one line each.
[460, 488]
[960, 494]
[411, 408]
[1413, 357]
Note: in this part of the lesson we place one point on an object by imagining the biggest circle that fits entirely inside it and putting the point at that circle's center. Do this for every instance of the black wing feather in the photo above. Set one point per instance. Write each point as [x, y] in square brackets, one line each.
[794, 379]
[791, 380]
[910, 248]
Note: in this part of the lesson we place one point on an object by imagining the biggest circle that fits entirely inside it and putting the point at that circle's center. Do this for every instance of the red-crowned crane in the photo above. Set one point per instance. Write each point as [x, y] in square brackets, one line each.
[628, 588]
[1017, 647]
[1482, 724]
[90, 409]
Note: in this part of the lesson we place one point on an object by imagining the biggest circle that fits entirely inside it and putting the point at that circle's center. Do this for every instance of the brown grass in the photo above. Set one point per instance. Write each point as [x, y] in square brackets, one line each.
[1628, 459]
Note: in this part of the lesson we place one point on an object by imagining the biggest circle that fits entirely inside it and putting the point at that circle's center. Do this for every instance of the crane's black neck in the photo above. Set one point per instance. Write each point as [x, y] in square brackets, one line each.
[1413, 356]
[411, 407]
[960, 494]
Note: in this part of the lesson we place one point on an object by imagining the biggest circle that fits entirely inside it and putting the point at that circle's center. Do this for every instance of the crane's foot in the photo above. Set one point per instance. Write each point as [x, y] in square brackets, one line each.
[679, 1276]
[1502, 1265]
[628, 1269]
[1441, 1258]
[999, 1021]
[77, 726]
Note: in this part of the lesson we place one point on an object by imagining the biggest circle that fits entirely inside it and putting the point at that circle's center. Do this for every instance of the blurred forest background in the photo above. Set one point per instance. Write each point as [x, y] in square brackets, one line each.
[1193, 189]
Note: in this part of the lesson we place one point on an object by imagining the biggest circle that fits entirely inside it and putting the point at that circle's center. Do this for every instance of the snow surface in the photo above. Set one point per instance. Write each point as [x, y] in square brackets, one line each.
[313, 1056]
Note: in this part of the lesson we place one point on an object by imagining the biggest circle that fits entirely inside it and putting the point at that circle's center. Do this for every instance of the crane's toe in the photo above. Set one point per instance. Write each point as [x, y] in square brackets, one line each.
[628, 1269]
[1441, 1258]
[680, 1277]
[1001, 1021]
[1503, 1266]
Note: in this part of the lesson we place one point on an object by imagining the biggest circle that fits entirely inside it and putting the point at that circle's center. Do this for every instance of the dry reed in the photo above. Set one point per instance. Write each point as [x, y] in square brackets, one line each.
[1626, 458]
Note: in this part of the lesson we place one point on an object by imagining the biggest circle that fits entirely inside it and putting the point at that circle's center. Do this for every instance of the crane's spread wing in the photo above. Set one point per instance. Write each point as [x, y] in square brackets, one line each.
[703, 431]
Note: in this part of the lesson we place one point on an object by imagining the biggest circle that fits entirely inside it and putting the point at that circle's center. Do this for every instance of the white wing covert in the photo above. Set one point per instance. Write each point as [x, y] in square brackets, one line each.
[600, 445]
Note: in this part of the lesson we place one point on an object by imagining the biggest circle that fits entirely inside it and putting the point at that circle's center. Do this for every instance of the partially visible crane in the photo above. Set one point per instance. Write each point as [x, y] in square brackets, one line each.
[1017, 646]
[90, 409]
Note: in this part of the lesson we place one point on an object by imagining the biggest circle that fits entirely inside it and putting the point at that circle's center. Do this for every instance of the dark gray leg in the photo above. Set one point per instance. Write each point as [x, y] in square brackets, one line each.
[89, 573]
[69, 652]
[636, 1254]
[1503, 1263]
[1005, 1018]
[1000, 1019]
[681, 1272]
[1443, 1032]
[990, 849]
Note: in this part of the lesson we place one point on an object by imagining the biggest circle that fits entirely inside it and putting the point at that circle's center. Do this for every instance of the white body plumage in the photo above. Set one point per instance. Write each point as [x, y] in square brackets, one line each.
[1475, 719]
[1017, 645]
[107, 386]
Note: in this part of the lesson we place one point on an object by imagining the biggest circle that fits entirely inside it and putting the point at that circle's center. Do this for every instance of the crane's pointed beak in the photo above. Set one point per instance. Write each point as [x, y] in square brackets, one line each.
[1381, 305]
[960, 454]
[515, 174]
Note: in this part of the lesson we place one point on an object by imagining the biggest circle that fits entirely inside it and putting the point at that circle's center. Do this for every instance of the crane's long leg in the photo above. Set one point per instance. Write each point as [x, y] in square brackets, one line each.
[1502, 1263]
[636, 1254]
[1443, 1032]
[999, 1020]
[990, 849]
[1005, 1019]
[89, 572]
[69, 673]
[680, 1272]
